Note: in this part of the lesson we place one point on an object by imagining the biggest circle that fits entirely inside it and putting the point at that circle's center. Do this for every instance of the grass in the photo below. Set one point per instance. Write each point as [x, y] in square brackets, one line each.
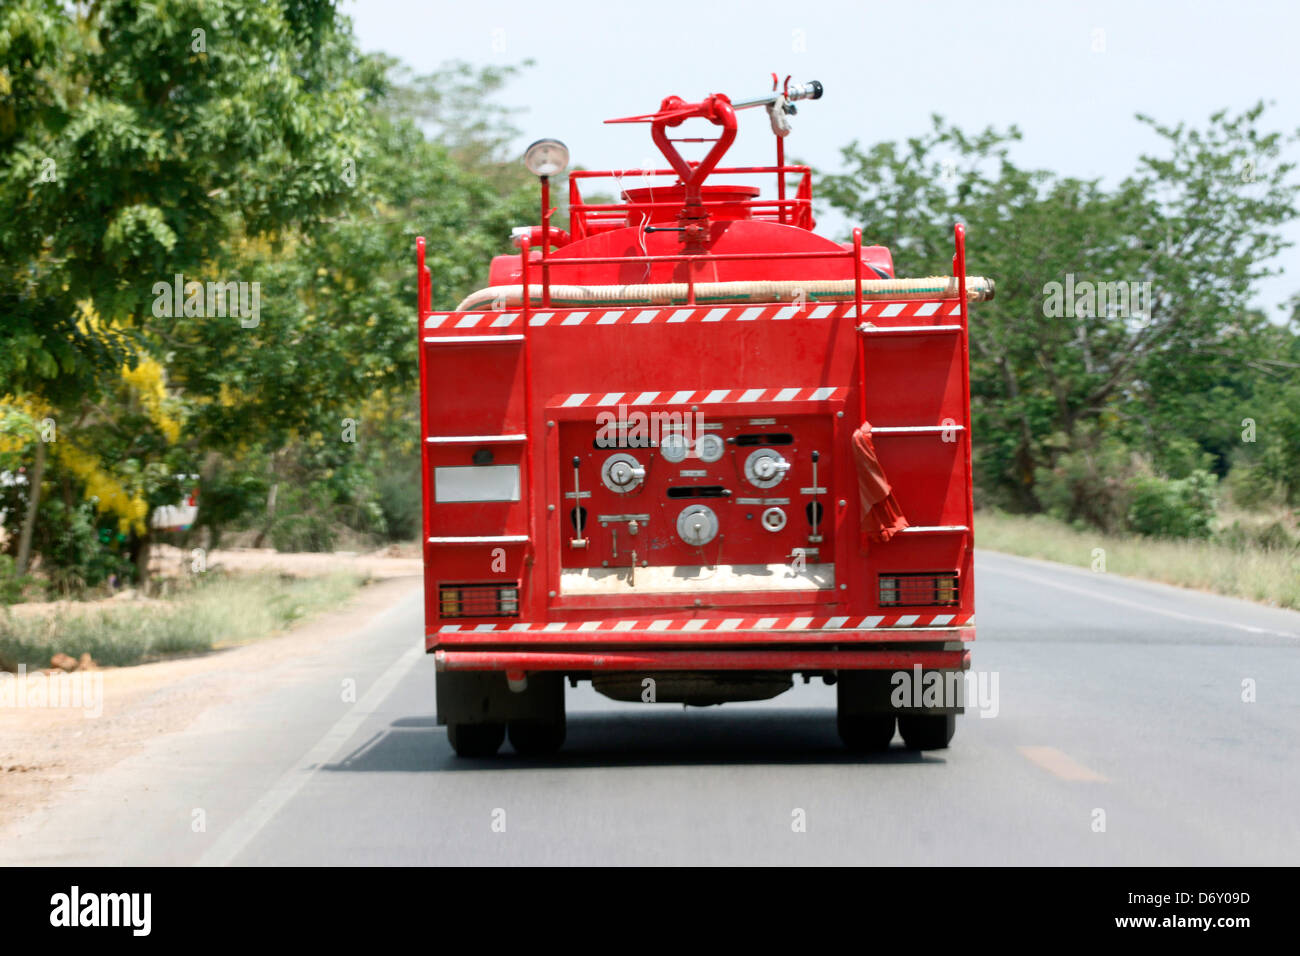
[215, 611]
[1269, 576]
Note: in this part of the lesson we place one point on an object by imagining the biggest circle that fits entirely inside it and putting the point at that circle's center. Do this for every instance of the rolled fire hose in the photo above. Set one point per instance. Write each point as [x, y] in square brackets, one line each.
[978, 289]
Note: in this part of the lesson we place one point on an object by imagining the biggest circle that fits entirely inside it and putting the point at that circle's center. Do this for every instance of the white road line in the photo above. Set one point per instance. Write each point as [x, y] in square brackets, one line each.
[1197, 618]
[245, 829]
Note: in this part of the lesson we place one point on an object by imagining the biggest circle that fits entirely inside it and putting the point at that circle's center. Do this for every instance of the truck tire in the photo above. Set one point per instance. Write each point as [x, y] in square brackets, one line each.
[475, 740]
[866, 733]
[927, 731]
[536, 738]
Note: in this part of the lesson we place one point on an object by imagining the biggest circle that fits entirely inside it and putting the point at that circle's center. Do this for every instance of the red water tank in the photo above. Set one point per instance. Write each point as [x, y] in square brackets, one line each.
[663, 203]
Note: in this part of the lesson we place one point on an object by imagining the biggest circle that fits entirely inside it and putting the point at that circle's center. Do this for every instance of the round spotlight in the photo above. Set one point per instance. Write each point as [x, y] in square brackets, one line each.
[546, 157]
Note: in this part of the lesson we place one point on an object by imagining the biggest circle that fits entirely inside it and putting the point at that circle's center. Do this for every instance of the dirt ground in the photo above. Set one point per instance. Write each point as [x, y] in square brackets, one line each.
[46, 749]
[395, 560]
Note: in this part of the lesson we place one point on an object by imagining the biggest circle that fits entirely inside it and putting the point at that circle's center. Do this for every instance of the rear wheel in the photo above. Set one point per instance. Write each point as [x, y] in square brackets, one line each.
[866, 732]
[535, 738]
[475, 740]
[927, 731]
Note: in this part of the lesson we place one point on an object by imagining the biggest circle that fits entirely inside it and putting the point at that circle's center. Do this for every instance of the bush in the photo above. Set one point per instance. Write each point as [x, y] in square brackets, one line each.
[1253, 487]
[12, 585]
[1174, 507]
[78, 548]
[1274, 536]
[1089, 487]
[306, 519]
[229, 494]
[1181, 457]
[400, 499]
[304, 531]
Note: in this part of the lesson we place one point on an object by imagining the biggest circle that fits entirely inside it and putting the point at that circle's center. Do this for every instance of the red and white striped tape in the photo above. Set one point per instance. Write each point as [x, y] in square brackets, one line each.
[670, 315]
[704, 396]
[870, 623]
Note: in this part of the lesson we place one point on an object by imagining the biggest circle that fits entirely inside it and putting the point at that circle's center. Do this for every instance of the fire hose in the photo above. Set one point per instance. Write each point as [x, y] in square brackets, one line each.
[978, 289]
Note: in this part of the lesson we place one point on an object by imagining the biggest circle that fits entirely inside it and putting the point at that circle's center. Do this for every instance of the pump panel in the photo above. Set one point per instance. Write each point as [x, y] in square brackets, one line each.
[667, 487]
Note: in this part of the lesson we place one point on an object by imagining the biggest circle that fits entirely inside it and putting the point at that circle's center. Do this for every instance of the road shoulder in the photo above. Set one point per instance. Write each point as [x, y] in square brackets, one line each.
[49, 752]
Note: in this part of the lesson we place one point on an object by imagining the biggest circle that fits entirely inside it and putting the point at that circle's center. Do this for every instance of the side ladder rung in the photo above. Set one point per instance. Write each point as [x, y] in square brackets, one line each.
[482, 539]
[474, 439]
[907, 329]
[914, 429]
[472, 339]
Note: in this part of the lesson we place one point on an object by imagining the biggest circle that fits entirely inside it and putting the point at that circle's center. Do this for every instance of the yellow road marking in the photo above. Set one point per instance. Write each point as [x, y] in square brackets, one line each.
[1065, 767]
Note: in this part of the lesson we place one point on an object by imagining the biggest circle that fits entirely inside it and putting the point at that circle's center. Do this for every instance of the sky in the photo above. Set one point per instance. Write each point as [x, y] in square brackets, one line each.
[1071, 76]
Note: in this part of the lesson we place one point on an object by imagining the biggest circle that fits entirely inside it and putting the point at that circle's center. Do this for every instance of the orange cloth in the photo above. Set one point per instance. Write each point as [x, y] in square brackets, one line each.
[879, 515]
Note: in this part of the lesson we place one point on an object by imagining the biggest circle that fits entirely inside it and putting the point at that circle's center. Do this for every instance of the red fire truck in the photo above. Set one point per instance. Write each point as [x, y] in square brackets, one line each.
[686, 448]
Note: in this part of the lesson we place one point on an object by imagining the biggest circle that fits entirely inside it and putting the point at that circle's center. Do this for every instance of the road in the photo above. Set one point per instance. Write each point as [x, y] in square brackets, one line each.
[1121, 737]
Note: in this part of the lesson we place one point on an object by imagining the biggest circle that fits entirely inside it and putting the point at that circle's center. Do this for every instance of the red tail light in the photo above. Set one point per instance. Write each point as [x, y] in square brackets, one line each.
[927, 589]
[478, 600]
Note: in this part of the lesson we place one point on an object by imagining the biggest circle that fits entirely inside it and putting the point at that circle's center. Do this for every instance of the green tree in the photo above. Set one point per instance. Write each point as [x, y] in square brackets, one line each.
[141, 141]
[339, 346]
[1051, 378]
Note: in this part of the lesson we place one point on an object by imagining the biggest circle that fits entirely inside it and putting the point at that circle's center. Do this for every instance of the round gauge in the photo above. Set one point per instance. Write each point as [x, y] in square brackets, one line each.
[773, 519]
[622, 473]
[709, 448]
[674, 447]
[697, 525]
[765, 468]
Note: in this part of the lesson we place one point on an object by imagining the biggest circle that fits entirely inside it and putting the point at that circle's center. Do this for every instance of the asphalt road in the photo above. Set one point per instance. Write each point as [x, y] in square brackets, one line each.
[1115, 697]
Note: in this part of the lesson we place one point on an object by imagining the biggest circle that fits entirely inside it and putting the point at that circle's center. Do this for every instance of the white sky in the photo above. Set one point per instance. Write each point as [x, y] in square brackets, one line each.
[886, 68]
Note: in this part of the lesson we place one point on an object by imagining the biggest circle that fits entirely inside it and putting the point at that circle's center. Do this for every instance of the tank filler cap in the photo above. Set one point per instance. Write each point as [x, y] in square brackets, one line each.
[697, 525]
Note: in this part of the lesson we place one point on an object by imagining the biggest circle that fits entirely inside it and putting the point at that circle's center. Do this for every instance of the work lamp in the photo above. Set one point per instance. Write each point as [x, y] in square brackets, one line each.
[546, 157]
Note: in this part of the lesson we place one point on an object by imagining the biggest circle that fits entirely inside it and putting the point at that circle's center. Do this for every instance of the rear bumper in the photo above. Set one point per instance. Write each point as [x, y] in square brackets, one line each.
[713, 659]
[788, 645]
[529, 636]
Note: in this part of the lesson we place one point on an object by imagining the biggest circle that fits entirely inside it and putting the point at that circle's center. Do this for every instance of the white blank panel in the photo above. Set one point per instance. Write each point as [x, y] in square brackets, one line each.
[476, 483]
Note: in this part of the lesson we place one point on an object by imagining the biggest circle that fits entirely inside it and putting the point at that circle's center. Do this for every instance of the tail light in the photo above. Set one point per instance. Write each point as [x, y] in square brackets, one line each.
[919, 590]
[478, 600]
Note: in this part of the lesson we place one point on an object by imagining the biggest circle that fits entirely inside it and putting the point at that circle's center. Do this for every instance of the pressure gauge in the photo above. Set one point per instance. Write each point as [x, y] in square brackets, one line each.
[765, 468]
[674, 447]
[697, 525]
[709, 448]
[622, 473]
[546, 157]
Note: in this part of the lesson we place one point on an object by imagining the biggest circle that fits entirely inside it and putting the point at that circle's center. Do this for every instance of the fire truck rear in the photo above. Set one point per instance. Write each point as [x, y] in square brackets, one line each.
[690, 450]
